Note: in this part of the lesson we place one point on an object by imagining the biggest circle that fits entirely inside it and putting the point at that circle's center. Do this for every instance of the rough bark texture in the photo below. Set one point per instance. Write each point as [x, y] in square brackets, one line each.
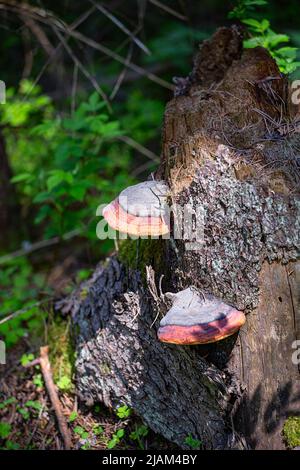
[223, 148]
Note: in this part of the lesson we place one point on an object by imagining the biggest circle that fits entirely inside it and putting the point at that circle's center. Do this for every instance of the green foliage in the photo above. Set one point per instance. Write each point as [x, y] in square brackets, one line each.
[73, 416]
[26, 359]
[291, 431]
[66, 165]
[19, 289]
[193, 443]
[261, 34]
[5, 430]
[98, 430]
[34, 405]
[123, 412]
[244, 7]
[30, 407]
[10, 445]
[64, 383]
[81, 432]
[7, 402]
[139, 434]
[116, 439]
[38, 380]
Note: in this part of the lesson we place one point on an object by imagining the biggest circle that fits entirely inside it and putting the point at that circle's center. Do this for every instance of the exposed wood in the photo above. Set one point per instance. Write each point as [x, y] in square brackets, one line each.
[263, 361]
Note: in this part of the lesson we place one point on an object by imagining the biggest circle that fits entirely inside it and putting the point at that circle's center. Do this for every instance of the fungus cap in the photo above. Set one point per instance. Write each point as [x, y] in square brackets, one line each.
[197, 319]
[140, 210]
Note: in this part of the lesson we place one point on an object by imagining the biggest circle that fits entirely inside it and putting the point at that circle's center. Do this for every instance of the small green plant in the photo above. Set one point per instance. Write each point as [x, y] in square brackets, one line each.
[116, 438]
[7, 402]
[5, 430]
[192, 443]
[73, 416]
[24, 412]
[244, 8]
[10, 445]
[29, 407]
[81, 432]
[26, 359]
[123, 412]
[261, 34]
[139, 434]
[64, 383]
[38, 380]
[84, 437]
[34, 405]
[19, 289]
[98, 430]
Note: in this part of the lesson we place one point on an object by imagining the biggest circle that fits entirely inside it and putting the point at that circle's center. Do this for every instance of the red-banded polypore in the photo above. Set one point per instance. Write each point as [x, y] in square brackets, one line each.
[140, 210]
[195, 318]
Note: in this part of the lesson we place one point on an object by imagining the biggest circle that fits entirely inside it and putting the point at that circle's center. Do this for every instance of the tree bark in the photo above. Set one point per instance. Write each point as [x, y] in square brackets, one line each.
[226, 146]
[9, 209]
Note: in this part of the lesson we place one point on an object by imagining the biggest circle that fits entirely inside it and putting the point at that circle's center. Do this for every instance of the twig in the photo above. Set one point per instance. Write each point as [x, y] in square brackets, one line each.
[47, 17]
[168, 10]
[17, 313]
[120, 25]
[82, 68]
[122, 74]
[39, 34]
[129, 141]
[44, 362]
[39, 245]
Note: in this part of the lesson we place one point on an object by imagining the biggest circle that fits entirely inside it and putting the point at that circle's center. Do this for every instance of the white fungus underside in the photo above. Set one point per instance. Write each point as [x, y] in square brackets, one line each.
[145, 199]
[191, 308]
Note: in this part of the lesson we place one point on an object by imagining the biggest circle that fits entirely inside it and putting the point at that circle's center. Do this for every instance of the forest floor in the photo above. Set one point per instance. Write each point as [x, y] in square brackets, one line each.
[27, 418]
[31, 421]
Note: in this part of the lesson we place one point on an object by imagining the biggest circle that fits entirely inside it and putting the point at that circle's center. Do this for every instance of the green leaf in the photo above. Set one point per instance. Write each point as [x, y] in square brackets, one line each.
[123, 412]
[79, 430]
[78, 191]
[5, 430]
[193, 443]
[64, 383]
[10, 445]
[26, 358]
[73, 416]
[57, 177]
[97, 430]
[38, 380]
[42, 197]
[257, 26]
[35, 405]
[7, 402]
[21, 177]
[120, 433]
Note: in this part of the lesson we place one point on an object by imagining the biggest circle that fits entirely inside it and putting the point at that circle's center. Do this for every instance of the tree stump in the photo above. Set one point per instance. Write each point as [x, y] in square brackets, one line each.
[229, 146]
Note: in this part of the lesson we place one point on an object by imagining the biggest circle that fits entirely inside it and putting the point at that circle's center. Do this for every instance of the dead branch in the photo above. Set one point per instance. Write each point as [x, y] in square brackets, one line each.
[44, 362]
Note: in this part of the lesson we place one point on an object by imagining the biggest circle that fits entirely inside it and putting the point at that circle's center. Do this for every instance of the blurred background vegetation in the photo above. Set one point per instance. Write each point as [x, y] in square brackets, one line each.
[86, 87]
[87, 83]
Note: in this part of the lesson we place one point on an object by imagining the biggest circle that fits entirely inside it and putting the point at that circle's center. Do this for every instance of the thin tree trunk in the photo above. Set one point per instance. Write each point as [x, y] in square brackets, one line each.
[9, 210]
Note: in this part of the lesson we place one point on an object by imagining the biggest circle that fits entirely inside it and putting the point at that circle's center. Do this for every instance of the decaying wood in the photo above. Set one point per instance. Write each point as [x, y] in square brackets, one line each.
[220, 149]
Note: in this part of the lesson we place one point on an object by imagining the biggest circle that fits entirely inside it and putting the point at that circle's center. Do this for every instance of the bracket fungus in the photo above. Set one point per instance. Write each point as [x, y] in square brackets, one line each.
[140, 210]
[198, 319]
